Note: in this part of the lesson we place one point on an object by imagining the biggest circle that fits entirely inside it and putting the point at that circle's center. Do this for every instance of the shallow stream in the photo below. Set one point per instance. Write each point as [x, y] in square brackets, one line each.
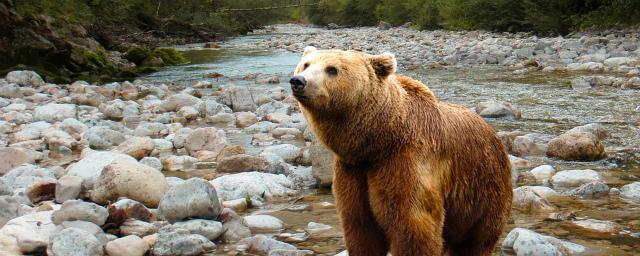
[548, 104]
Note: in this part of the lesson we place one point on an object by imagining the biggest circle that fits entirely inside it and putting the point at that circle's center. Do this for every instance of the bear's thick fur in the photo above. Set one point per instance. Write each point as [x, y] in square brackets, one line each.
[412, 176]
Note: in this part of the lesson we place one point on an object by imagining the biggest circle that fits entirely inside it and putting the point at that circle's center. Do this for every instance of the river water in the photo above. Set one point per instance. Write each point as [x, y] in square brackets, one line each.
[549, 106]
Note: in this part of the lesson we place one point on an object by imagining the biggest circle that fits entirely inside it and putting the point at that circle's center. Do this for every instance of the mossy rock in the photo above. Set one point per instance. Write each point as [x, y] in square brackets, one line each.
[138, 54]
[170, 56]
[142, 56]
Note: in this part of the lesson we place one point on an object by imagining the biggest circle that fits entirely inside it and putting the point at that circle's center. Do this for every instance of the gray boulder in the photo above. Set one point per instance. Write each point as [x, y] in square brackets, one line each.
[80, 210]
[74, 242]
[194, 198]
[176, 241]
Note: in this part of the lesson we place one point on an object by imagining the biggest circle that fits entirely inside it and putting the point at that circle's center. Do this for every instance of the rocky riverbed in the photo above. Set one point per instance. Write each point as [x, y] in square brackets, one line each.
[171, 165]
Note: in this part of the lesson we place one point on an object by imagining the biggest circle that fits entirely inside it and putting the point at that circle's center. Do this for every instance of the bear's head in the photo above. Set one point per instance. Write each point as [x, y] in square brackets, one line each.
[335, 81]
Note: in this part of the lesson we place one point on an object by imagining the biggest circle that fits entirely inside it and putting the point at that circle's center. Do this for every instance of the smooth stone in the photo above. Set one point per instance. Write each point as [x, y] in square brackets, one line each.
[80, 210]
[29, 233]
[73, 241]
[127, 246]
[175, 241]
[573, 178]
[210, 229]
[264, 224]
[90, 166]
[68, 188]
[256, 185]
[194, 198]
[129, 179]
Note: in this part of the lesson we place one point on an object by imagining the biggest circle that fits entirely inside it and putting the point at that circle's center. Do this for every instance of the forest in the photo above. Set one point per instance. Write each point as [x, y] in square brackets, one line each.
[76, 39]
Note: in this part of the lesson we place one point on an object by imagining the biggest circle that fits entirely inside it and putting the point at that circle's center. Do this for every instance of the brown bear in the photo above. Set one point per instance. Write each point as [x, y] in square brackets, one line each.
[412, 175]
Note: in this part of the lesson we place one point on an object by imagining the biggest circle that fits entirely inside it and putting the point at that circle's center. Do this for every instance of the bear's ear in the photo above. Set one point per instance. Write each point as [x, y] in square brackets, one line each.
[309, 49]
[384, 64]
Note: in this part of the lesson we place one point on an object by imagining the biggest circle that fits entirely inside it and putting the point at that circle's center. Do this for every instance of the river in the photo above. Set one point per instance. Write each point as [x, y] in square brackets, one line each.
[549, 106]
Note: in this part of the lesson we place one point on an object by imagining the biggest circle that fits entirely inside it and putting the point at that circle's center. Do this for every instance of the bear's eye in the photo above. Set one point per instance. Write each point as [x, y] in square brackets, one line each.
[331, 70]
[306, 65]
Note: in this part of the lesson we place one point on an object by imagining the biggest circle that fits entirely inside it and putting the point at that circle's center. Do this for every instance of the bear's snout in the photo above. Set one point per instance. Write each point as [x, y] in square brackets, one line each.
[298, 83]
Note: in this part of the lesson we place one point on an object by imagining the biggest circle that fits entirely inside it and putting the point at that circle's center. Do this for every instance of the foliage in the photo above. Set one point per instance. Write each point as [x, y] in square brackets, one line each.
[540, 16]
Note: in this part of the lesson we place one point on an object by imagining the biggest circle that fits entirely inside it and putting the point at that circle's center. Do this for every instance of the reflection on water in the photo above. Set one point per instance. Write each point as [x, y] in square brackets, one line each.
[548, 104]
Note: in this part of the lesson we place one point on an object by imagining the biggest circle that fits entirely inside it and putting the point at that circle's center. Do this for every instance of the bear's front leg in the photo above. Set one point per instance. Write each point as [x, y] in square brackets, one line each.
[362, 234]
[409, 209]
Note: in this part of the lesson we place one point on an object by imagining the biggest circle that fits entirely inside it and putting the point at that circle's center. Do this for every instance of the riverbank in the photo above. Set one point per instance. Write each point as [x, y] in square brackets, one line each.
[611, 57]
[227, 165]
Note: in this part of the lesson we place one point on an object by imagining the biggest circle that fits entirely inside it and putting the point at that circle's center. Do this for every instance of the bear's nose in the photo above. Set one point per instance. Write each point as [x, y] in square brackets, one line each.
[297, 83]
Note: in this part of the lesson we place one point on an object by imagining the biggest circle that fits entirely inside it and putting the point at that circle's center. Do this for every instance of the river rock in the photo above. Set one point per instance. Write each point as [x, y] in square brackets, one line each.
[23, 176]
[235, 226]
[596, 129]
[273, 107]
[118, 109]
[576, 146]
[543, 173]
[573, 178]
[55, 137]
[263, 245]
[619, 61]
[153, 130]
[631, 192]
[152, 162]
[322, 162]
[598, 228]
[245, 119]
[41, 191]
[188, 112]
[162, 148]
[79, 210]
[210, 229]
[54, 112]
[179, 163]
[176, 241]
[288, 152]
[264, 224]
[31, 131]
[132, 180]
[253, 184]
[180, 137]
[103, 137]
[497, 109]
[531, 144]
[140, 228]
[12, 157]
[137, 147]
[91, 165]
[9, 209]
[73, 127]
[523, 242]
[238, 98]
[25, 78]
[242, 163]
[127, 246]
[527, 199]
[195, 198]
[27, 234]
[209, 138]
[590, 190]
[126, 208]
[73, 241]
[174, 102]
[212, 108]
[5, 189]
